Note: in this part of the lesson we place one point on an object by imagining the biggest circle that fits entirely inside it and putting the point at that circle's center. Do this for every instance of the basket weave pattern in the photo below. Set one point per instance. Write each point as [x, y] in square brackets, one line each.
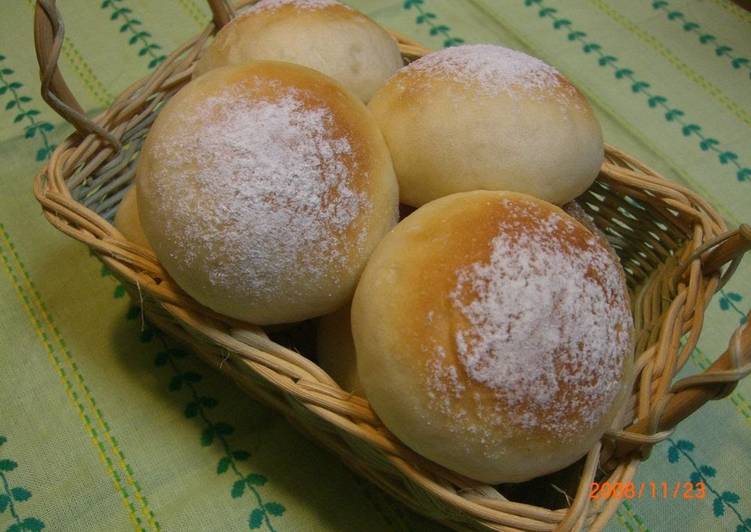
[672, 244]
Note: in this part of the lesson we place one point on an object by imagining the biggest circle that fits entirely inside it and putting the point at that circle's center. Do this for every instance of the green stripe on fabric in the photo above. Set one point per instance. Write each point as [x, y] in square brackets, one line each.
[138, 38]
[39, 130]
[85, 74]
[83, 70]
[721, 49]
[640, 87]
[636, 520]
[58, 366]
[714, 91]
[194, 12]
[50, 326]
[623, 521]
[32, 298]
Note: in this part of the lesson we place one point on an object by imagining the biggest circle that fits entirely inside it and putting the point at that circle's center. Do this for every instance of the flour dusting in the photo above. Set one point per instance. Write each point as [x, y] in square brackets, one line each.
[308, 5]
[267, 188]
[492, 69]
[546, 325]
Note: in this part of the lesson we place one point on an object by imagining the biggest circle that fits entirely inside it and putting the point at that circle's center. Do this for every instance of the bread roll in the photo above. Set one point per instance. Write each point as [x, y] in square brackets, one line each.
[321, 34]
[483, 117]
[336, 349]
[493, 335]
[263, 189]
[126, 219]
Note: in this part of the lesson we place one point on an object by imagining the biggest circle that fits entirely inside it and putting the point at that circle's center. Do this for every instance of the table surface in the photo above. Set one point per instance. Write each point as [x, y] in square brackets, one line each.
[99, 430]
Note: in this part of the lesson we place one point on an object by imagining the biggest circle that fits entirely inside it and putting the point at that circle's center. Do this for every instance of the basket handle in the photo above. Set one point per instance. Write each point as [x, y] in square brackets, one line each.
[222, 12]
[720, 379]
[726, 248]
[49, 33]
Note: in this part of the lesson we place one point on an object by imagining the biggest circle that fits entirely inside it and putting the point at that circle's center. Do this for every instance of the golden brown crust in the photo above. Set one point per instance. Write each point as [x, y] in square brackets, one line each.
[433, 274]
[168, 188]
[403, 314]
[450, 133]
[336, 40]
[270, 81]
[220, 52]
[126, 219]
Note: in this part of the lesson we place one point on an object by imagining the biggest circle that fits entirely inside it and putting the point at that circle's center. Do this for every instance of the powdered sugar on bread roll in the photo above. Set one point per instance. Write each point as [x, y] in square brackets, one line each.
[491, 70]
[493, 335]
[263, 189]
[484, 117]
[302, 5]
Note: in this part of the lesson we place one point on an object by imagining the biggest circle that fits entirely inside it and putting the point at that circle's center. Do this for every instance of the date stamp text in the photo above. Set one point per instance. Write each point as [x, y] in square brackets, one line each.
[653, 490]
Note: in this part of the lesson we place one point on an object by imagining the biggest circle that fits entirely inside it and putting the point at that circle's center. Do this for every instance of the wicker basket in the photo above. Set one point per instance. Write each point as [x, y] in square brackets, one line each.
[675, 249]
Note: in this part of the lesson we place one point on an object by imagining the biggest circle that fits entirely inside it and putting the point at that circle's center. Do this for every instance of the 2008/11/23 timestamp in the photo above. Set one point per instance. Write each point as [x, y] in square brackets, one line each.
[654, 490]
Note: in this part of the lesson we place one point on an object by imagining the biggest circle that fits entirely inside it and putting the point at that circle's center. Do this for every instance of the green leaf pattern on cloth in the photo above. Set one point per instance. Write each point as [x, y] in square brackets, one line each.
[430, 19]
[737, 62]
[18, 103]
[639, 86]
[722, 502]
[11, 495]
[730, 301]
[215, 432]
[132, 26]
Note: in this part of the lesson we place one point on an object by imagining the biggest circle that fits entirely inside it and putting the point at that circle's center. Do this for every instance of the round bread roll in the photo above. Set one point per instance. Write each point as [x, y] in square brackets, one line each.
[336, 349]
[493, 335]
[126, 219]
[263, 189]
[483, 117]
[320, 34]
